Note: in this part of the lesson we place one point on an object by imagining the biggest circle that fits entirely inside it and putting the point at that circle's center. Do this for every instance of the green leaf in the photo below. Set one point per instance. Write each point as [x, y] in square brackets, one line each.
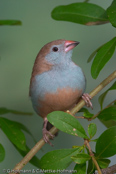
[106, 143]
[66, 123]
[14, 134]
[81, 158]
[102, 96]
[81, 13]
[6, 111]
[24, 128]
[91, 167]
[92, 129]
[102, 57]
[34, 161]
[58, 159]
[111, 11]
[80, 168]
[86, 113]
[108, 113]
[103, 163]
[10, 22]
[109, 123]
[108, 116]
[93, 54]
[2, 153]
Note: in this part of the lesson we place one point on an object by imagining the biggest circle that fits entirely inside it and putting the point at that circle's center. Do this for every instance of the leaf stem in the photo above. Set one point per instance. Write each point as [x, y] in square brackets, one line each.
[86, 142]
[41, 143]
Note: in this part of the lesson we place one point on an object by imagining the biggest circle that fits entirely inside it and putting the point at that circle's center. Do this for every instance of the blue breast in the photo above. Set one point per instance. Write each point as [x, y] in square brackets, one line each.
[48, 82]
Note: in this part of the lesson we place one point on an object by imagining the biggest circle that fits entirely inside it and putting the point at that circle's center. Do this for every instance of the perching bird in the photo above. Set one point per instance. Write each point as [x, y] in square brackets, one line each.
[57, 83]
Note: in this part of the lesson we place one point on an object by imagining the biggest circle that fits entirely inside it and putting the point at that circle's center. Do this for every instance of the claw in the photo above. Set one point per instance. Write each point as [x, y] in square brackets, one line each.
[46, 132]
[86, 97]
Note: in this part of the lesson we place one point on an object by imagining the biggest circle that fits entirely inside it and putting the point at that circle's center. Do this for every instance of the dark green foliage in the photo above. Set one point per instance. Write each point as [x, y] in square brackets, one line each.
[92, 129]
[58, 159]
[81, 13]
[108, 113]
[10, 22]
[102, 57]
[66, 123]
[6, 111]
[14, 134]
[102, 96]
[103, 163]
[93, 54]
[90, 14]
[80, 168]
[13, 130]
[2, 153]
[111, 11]
[81, 158]
[91, 167]
[106, 143]
[86, 113]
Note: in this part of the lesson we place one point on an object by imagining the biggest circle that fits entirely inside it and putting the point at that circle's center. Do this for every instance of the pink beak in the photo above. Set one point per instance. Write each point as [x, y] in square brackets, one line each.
[69, 45]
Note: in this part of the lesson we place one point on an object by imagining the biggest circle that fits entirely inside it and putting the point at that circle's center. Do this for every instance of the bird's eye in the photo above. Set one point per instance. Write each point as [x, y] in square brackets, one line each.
[55, 49]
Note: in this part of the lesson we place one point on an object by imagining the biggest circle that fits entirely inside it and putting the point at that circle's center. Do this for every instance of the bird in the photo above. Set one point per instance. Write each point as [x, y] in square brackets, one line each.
[57, 83]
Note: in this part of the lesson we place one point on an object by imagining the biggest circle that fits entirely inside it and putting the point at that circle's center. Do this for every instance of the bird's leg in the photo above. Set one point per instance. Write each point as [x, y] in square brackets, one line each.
[87, 98]
[45, 132]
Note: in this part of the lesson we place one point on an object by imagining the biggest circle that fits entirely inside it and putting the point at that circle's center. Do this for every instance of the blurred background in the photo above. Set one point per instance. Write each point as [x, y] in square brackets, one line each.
[19, 46]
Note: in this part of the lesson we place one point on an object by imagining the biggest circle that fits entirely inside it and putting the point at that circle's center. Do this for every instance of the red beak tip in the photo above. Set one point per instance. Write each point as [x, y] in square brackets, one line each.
[69, 45]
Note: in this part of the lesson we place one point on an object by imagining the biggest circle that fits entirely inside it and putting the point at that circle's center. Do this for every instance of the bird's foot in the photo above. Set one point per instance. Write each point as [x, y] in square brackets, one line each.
[45, 136]
[87, 98]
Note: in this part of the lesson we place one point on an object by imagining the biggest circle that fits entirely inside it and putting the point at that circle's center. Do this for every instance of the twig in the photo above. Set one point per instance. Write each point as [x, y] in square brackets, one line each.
[41, 143]
[86, 142]
[80, 117]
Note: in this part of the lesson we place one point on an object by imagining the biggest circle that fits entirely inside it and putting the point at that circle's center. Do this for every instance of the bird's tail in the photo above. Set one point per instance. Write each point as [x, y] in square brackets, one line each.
[49, 126]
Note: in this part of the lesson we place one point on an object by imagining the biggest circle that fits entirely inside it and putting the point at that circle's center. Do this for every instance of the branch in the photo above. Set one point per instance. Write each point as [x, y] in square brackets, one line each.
[41, 143]
[86, 142]
[109, 170]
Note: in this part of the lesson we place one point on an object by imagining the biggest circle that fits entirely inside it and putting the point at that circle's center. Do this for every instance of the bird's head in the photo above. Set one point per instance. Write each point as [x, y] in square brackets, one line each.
[59, 51]
[55, 53]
